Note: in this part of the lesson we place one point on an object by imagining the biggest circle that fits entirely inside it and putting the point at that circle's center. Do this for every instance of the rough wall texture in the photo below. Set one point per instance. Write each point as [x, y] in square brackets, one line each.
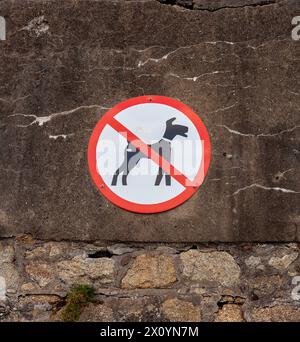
[246, 282]
[234, 62]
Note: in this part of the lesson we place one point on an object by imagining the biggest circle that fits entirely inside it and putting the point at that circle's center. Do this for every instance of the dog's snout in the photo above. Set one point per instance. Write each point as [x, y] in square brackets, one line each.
[185, 131]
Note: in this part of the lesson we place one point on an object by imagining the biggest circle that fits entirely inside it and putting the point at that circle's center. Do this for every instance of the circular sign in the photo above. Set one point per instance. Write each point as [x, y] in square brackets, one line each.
[149, 154]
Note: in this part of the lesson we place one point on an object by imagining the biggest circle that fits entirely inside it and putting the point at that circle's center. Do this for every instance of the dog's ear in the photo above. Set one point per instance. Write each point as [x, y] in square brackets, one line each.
[169, 122]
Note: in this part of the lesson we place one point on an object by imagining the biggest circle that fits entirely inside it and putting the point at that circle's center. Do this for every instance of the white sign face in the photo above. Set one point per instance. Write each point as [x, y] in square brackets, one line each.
[149, 154]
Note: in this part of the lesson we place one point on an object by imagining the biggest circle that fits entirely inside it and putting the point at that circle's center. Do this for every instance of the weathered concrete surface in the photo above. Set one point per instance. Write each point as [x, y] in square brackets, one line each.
[65, 62]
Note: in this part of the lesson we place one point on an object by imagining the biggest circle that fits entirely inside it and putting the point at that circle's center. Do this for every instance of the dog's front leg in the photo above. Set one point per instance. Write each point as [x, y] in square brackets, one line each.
[168, 180]
[115, 177]
[124, 179]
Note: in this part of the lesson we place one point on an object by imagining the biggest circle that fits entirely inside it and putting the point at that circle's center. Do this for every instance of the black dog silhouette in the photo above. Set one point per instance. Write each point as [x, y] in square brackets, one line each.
[163, 147]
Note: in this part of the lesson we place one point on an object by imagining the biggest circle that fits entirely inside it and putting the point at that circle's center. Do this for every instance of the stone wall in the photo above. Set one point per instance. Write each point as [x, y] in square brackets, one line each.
[152, 282]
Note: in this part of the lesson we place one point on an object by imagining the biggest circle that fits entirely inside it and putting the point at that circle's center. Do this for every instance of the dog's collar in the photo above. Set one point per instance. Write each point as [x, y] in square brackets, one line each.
[166, 139]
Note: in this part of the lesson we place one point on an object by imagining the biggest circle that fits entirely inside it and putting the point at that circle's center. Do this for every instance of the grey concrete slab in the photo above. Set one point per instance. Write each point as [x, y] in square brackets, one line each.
[64, 62]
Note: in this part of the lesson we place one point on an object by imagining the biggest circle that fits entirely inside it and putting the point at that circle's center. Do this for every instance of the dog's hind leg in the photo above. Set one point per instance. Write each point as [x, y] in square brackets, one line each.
[121, 169]
[116, 174]
[159, 176]
[133, 159]
[115, 177]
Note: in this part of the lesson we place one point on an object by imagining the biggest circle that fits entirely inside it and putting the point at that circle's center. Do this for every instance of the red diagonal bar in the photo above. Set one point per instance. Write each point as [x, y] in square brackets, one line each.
[150, 153]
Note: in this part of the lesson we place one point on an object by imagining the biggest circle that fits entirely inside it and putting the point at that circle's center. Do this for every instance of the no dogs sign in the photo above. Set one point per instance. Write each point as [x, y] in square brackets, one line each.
[149, 154]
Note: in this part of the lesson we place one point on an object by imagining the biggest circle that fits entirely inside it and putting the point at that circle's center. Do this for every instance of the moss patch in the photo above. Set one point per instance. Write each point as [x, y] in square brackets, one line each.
[76, 300]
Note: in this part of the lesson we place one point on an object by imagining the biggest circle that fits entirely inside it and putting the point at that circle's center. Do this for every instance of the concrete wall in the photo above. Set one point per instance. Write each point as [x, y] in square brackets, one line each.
[63, 64]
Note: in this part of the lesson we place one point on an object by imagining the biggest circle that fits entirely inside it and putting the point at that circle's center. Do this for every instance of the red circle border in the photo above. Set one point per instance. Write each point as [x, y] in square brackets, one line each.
[146, 208]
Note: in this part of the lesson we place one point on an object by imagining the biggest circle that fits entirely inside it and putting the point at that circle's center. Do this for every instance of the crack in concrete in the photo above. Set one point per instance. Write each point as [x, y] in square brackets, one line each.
[13, 101]
[282, 173]
[11, 170]
[190, 5]
[64, 136]
[207, 84]
[164, 57]
[195, 78]
[255, 185]
[37, 25]
[226, 42]
[223, 109]
[41, 120]
[251, 135]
